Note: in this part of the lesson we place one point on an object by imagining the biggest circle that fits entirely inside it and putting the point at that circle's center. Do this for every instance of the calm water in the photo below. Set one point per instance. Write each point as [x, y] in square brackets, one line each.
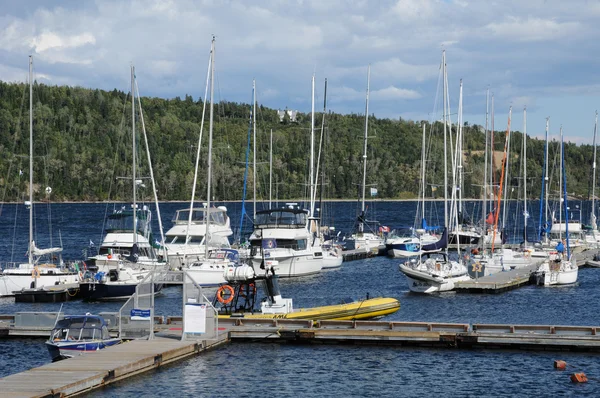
[288, 370]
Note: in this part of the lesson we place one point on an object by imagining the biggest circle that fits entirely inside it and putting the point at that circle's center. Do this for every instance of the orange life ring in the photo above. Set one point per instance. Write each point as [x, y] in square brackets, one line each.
[225, 294]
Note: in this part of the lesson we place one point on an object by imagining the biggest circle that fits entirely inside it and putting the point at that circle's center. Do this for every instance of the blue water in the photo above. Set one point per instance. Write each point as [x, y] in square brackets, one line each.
[253, 369]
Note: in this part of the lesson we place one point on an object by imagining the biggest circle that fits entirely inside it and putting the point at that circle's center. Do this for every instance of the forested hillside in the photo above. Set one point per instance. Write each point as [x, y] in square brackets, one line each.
[82, 146]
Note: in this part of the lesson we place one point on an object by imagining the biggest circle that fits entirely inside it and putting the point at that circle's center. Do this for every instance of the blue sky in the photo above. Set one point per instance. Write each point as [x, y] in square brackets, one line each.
[542, 54]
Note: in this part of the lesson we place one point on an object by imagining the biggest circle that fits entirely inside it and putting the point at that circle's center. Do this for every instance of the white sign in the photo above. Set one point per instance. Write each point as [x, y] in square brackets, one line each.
[194, 318]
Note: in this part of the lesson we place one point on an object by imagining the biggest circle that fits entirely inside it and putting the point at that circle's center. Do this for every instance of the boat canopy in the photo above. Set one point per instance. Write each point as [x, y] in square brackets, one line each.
[281, 217]
[218, 215]
[78, 327]
[122, 221]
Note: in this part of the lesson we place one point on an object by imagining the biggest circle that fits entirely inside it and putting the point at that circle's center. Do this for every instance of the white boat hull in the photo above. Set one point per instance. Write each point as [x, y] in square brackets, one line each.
[18, 279]
[288, 263]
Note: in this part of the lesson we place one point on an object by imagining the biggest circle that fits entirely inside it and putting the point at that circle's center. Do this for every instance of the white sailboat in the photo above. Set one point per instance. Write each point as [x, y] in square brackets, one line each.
[435, 272]
[286, 239]
[365, 239]
[126, 255]
[36, 272]
[560, 268]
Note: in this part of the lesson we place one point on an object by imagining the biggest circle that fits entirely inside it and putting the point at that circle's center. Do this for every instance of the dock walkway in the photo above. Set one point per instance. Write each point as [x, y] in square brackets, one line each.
[86, 372]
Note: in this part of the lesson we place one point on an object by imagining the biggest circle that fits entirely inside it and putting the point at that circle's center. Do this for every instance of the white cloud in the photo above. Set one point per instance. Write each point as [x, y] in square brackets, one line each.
[51, 40]
[532, 29]
[394, 93]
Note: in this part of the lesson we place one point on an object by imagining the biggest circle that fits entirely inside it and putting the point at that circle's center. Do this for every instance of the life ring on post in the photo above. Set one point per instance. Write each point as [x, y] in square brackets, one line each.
[35, 273]
[225, 294]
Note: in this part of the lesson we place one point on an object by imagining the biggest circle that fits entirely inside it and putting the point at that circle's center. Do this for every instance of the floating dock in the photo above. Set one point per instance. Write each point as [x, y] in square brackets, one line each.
[93, 370]
[498, 282]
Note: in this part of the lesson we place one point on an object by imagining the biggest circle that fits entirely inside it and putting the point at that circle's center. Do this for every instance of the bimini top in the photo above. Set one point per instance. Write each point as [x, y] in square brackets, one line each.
[281, 217]
[81, 321]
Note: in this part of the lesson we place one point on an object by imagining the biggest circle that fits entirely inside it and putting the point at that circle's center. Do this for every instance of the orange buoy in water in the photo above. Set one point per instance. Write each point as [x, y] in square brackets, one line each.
[579, 378]
[560, 365]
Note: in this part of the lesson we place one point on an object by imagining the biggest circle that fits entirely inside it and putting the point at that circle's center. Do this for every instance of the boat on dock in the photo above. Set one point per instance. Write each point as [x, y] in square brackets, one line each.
[76, 334]
[239, 299]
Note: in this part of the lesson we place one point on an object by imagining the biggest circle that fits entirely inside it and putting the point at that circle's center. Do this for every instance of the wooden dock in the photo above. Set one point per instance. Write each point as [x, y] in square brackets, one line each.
[351, 255]
[498, 282]
[96, 369]
[93, 370]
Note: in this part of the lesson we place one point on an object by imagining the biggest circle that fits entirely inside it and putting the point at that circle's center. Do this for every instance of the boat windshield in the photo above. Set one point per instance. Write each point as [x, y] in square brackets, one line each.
[217, 216]
[230, 255]
[80, 328]
[122, 221]
[180, 239]
[282, 217]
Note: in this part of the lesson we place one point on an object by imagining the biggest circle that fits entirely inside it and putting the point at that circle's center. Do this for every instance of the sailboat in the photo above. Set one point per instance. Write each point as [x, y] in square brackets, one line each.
[127, 253]
[365, 238]
[36, 273]
[435, 272]
[285, 239]
[198, 229]
[560, 268]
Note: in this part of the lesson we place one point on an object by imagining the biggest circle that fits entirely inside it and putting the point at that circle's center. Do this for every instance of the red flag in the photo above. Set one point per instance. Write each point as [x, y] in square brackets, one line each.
[490, 218]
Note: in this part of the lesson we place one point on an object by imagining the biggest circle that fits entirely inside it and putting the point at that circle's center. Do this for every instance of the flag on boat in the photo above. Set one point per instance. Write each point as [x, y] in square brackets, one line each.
[91, 243]
[269, 243]
[384, 229]
[490, 218]
[373, 191]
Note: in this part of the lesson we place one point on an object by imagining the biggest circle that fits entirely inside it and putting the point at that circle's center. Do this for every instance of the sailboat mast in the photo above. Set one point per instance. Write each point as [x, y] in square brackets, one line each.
[506, 173]
[364, 181]
[270, 169]
[445, 141]
[133, 154]
[485, 164]
[459, 149]
[544, 183]
[30, 251]
[525, 214]
[210, 134]
[254, 141]
[492, 157]
[547, 178]
[560, 184]
[187, 230]
[312, 150]
[506, 142]
[423, 178]
[564, 187]
[593, 215]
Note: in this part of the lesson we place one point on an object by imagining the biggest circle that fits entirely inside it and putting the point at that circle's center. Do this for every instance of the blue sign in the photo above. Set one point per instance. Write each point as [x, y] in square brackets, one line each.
[269, 243]
[139, 314]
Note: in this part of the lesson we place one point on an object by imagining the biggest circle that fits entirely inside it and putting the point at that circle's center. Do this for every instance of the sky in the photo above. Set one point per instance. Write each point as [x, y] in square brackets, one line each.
[540, 54]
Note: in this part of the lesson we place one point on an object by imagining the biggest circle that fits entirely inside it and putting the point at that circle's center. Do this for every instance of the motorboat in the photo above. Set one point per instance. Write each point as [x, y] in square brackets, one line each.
[187, 239]
[283, 239]
[124, 258]
[77, 334]
[209, 271]
[239, 298]
[409, 245]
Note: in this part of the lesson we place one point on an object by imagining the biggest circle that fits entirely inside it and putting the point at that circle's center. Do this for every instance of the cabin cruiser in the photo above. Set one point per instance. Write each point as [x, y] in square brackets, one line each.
[286, 239]
[433, 272]
[124, 258]
[186, 240]
[412, 244]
